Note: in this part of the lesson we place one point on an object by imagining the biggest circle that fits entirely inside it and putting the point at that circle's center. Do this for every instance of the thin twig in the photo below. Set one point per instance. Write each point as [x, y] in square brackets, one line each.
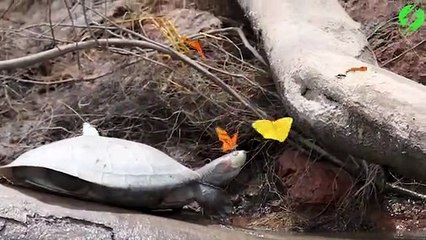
[242, 37]
[69, 9]
[7, 9]
[403, 53]
[405, 191]
[379, 27]
[240, 76]
[87, 19]
[127, 52]
[40, 82]
[74, 31]
[52, 31]
[66, 26]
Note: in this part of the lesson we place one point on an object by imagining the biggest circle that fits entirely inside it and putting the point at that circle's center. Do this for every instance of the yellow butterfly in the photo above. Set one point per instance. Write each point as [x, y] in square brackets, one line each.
[276, 130]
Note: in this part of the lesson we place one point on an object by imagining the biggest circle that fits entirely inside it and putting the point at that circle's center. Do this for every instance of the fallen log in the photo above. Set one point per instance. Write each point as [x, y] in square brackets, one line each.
[374, 115]
[25, 214]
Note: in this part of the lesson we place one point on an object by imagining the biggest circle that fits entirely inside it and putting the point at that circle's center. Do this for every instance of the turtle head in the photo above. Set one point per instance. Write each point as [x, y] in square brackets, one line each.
[221, 170]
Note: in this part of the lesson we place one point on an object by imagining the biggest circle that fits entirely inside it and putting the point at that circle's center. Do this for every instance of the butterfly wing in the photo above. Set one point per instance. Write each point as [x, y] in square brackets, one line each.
[228, 143]
[233, 141]
[282, 127]
[276, 130]
[195, 44]
[265, 128]
[357, 69]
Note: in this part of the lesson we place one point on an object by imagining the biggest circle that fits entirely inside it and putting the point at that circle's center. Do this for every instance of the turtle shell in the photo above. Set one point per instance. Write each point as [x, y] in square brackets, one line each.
[109, 162]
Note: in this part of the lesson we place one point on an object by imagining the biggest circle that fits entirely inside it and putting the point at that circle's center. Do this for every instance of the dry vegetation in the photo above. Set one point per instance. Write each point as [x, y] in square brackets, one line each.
[133, 93]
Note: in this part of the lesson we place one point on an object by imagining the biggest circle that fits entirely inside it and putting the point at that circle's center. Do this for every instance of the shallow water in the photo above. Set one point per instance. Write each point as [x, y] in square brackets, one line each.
[285, 235]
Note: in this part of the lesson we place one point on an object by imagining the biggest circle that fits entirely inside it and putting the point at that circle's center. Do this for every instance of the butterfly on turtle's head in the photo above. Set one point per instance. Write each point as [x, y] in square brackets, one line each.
[228, 143]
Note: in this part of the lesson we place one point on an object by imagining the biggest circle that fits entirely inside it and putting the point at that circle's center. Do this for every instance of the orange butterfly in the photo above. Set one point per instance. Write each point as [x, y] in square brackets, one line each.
[228, 143]
[357, 69]
[195, 44]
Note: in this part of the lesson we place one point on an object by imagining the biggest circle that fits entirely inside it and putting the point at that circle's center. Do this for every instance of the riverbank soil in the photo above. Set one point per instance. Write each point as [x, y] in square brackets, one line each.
[149, 97]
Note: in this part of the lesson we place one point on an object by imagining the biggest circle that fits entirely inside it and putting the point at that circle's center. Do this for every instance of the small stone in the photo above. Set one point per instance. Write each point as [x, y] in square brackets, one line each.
[312, 182]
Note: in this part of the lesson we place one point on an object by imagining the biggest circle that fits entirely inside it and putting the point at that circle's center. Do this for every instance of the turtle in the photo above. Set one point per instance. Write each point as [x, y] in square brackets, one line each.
[124, 173]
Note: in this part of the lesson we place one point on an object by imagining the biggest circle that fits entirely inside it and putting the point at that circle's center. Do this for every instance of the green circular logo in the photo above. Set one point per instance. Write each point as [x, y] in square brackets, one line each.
[406, 13]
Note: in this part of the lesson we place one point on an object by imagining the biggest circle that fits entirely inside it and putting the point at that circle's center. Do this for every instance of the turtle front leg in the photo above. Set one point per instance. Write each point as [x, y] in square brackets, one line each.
[215, 202]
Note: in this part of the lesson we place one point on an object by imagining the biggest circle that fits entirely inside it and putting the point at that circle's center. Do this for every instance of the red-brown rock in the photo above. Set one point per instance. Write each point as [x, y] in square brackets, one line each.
[312, 182]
